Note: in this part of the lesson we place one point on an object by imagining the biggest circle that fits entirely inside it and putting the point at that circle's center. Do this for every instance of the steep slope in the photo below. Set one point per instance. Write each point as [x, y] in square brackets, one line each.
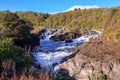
[97, 60]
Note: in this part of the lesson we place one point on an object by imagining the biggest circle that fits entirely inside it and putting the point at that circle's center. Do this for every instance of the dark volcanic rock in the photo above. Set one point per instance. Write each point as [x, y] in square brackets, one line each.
[35, 40]
[65, 37]
[67, 41]
[41, 33]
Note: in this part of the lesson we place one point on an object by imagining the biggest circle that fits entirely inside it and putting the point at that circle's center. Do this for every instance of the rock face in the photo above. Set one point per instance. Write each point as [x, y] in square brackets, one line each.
[94, 61]
[41, 33]
[68, 36]
[35, 40]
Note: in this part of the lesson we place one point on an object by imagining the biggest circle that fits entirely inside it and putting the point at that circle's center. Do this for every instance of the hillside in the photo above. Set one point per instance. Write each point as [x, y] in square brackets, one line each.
[104, 19]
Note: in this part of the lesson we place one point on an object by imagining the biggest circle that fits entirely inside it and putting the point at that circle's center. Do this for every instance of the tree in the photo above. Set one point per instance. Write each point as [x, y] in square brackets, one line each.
[15, 28]
[8, 51]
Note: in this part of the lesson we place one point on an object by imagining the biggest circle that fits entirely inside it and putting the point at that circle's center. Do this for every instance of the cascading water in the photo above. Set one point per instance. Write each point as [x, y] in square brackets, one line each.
[51, 52]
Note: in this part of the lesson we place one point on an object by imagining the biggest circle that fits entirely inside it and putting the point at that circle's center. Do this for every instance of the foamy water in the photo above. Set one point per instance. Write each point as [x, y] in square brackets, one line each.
[52, 52]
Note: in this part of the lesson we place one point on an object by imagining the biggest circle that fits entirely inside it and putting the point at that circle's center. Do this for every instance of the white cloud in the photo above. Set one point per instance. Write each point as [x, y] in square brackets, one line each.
[81, 7]
[78, 7]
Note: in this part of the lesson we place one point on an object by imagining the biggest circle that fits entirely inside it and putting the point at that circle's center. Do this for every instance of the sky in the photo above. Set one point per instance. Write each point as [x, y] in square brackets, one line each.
[51, 6]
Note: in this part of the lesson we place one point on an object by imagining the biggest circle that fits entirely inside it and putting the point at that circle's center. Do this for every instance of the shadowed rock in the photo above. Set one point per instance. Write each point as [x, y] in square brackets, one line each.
[65, 37]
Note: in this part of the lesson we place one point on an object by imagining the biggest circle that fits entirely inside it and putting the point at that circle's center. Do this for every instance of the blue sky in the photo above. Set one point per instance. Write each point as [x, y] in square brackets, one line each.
[50, 6]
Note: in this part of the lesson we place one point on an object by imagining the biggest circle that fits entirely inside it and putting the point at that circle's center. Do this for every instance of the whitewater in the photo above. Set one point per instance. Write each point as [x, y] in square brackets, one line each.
[50, 53]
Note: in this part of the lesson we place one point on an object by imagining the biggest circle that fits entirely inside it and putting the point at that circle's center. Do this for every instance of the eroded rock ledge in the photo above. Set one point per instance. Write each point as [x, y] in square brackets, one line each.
[94, 60]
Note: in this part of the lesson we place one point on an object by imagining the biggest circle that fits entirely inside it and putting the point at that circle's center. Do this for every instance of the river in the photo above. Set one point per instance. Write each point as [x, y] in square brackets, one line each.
[50, 52]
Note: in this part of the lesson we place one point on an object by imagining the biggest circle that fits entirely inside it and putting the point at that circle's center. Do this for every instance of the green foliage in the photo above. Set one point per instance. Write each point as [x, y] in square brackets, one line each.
[7, 16]
[9, 51]
[35, 18]
[117, 35]
[13, 27]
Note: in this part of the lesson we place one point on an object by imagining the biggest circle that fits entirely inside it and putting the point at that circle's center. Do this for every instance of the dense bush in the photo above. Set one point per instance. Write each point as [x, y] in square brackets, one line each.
[8, 51]
[35, 18]
[13, 27]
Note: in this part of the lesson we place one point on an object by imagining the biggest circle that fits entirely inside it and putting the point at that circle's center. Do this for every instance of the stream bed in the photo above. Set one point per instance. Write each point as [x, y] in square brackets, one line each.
[51, 53]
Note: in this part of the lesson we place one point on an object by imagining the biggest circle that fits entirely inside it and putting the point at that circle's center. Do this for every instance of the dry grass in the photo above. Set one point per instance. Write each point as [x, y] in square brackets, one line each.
[99, 48]
[10, 73]
[42, 76]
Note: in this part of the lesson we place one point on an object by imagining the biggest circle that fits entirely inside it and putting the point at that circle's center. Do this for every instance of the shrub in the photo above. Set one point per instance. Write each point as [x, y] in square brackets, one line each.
[17, 54]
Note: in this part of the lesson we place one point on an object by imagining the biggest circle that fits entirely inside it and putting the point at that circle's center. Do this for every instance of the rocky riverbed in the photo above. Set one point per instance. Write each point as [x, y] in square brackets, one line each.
[50, 51]
[57, 47]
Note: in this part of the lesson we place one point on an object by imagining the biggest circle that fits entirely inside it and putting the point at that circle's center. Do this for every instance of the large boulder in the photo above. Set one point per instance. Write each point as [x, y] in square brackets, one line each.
[94, 60]
[68, 36]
